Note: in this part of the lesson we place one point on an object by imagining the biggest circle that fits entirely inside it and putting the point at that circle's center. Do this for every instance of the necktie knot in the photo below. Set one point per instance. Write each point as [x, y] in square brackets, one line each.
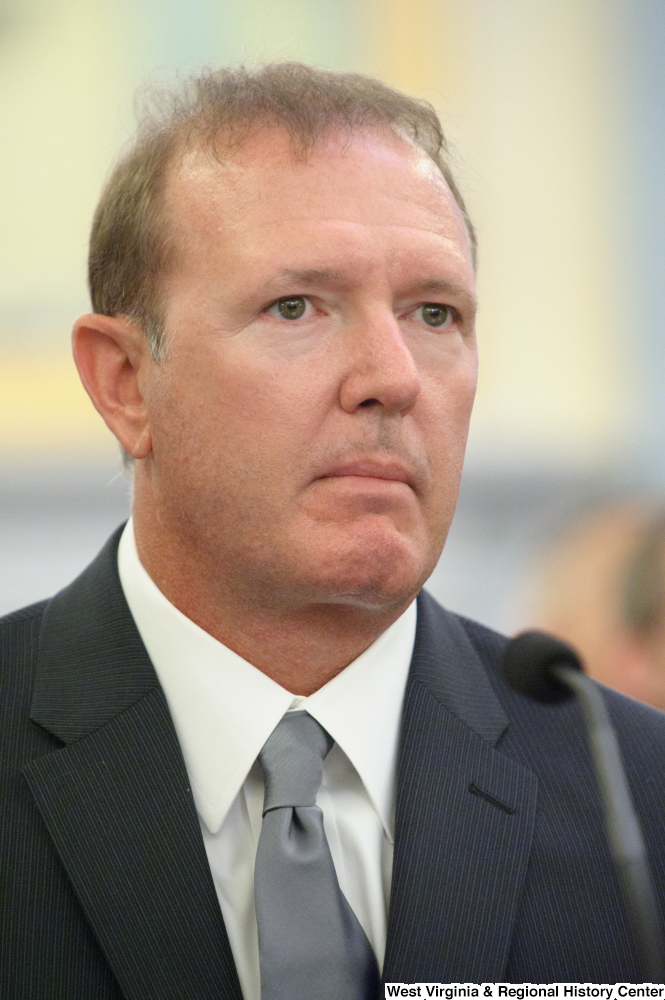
[292, 761]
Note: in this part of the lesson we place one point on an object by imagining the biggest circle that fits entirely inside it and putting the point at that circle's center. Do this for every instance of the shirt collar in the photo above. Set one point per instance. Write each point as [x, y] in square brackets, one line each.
[224, 709]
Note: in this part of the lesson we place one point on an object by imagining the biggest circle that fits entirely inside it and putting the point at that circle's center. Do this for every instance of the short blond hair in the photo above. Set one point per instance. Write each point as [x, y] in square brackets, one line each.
[129, 243]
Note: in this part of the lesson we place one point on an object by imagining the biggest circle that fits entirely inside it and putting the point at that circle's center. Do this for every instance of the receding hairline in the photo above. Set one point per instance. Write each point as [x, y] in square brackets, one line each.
[223, 145]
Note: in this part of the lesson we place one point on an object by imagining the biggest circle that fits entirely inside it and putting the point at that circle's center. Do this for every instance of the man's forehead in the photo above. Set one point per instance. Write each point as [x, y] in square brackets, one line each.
[356, 201]
[266, 164]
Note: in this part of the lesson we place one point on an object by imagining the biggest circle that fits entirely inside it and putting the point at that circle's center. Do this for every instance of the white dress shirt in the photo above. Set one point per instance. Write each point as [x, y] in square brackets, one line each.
[224, 709]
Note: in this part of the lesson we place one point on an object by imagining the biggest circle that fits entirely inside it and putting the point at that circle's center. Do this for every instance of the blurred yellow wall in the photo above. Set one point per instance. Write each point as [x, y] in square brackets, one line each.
[528, 95]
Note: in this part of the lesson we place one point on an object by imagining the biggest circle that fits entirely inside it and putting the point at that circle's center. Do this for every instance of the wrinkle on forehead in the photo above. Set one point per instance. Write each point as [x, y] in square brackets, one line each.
[262, 185]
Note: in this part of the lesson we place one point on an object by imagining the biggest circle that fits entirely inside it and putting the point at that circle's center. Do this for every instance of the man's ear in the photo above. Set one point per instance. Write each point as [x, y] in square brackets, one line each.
[112, 355]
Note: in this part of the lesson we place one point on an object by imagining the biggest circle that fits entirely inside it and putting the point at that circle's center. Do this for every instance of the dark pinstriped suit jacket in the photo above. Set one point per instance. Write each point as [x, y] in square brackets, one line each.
[501, 869]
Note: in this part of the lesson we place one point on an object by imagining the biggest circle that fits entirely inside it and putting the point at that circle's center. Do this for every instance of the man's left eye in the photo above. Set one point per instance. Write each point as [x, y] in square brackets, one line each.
[290, 307]
[435, 314]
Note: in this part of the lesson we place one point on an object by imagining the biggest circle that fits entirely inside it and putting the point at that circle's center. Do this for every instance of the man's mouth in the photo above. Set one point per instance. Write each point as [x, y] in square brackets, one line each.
[388, 470]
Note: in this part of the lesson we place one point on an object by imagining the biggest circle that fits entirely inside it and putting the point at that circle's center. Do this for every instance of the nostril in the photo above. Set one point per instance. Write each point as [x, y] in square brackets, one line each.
[369, 402]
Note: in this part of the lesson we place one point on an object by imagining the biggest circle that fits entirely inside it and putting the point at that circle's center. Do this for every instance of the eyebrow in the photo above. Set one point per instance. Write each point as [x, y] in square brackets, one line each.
[309, 276]
[314, 276]
[439, 286]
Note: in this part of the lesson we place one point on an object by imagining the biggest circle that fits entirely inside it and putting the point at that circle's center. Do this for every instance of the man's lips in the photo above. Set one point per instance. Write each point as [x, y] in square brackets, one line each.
[371, 469]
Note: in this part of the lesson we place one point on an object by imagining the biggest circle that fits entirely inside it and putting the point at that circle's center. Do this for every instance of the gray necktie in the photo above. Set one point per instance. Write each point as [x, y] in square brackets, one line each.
[311, 946]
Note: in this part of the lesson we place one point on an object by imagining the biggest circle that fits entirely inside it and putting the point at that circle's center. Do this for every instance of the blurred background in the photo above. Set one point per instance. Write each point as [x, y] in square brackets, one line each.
[555, 110]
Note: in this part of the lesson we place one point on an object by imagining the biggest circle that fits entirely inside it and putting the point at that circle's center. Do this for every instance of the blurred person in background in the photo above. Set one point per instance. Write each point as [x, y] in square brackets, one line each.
[601, 587]
[245, 754]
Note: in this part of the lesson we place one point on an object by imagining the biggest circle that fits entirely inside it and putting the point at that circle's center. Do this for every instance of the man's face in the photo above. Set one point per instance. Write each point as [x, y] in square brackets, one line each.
[309, 423]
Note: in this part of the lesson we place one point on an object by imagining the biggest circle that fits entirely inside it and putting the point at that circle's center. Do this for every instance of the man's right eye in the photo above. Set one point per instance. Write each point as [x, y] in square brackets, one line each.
[290, 307]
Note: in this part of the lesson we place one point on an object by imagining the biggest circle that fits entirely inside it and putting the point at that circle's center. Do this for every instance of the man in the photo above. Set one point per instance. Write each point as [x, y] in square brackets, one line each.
[283, 343]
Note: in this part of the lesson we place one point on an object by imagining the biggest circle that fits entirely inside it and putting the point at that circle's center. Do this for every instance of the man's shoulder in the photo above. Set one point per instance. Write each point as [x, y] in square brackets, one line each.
[644, 725]
[19, 642]
[64, 618]
[20, 741]
[19, 634]
[18, 619]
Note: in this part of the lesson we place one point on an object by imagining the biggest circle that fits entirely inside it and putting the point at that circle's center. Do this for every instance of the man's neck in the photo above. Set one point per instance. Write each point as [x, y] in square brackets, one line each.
[300, 646]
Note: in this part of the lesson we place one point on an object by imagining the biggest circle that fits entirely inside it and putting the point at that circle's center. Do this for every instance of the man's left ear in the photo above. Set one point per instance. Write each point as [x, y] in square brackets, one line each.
[111, 354]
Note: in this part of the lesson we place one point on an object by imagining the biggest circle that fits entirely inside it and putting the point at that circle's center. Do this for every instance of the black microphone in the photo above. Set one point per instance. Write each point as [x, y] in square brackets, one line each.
[543, 668]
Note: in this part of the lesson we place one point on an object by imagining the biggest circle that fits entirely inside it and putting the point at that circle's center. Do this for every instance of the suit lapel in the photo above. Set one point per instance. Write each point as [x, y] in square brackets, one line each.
[464, 819]
[116, 799]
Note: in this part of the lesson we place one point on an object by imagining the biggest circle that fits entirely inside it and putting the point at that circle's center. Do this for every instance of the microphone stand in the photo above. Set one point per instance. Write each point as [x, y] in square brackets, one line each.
[624, 834]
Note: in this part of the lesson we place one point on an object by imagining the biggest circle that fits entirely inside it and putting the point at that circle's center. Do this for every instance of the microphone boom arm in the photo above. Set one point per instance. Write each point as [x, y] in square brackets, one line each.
[624, 834]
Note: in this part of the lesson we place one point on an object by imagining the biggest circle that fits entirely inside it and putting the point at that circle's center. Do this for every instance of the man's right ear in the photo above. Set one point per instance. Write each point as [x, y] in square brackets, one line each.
[112, 356]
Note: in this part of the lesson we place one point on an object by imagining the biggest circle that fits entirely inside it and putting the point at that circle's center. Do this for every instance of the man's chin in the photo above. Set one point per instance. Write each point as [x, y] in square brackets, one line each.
[376, 573]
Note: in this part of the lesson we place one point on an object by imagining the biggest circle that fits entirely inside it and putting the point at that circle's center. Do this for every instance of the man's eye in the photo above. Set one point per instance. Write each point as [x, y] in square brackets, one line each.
[435, 314]
[290, 307]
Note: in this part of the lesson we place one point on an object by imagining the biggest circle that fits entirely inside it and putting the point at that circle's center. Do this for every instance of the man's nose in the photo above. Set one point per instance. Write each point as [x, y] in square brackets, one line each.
[380, 368]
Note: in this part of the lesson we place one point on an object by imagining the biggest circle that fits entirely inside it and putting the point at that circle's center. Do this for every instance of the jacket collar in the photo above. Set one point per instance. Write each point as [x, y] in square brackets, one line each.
[92, 664]
[446, 663]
